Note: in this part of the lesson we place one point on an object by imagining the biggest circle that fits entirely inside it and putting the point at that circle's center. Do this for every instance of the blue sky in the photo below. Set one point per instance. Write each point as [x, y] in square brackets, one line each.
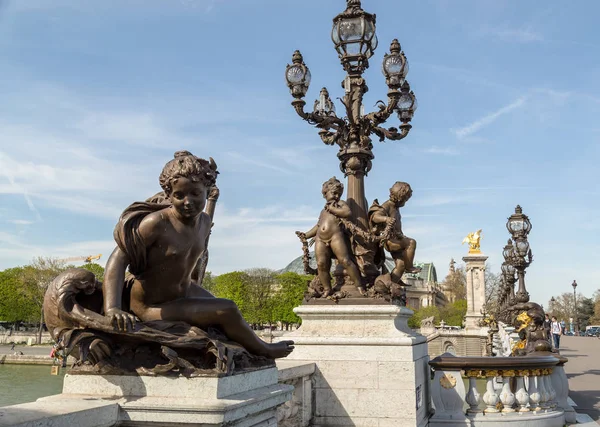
[95, 96]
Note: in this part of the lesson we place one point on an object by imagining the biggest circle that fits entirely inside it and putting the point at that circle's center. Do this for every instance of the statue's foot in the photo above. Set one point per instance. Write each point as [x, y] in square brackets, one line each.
[279, 349]
[414, 270]
[362, 290]
[326, 292]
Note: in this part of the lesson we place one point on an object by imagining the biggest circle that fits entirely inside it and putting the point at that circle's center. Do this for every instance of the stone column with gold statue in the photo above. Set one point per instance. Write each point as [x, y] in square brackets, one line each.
[475, 271]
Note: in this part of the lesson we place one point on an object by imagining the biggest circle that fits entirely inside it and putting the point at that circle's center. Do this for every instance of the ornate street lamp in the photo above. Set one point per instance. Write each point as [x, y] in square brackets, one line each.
[519, 227]
[354, 38]
[574, 284]
[508, 271]
[552, 302]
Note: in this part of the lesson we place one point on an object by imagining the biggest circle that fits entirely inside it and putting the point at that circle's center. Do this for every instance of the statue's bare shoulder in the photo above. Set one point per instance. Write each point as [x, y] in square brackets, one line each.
[153, 225]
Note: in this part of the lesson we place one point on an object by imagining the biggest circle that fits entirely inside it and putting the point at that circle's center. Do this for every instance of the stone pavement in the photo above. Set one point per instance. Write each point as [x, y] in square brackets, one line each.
[583, 371]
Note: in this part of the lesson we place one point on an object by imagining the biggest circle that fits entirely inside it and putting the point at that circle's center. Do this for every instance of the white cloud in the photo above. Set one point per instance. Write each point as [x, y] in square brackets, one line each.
[257, 237]
[16, 250]
[240, 159]
[523, 35]
[488, 119]
[20, 222]
[447, 151]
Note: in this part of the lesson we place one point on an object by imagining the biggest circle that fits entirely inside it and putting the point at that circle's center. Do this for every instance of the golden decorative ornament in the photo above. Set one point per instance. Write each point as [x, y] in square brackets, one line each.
[473, 373]
[508, 373]
[473, 240]
[448, 381]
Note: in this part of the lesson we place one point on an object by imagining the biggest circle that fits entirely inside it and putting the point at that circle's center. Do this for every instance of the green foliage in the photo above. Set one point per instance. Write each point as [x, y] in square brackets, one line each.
[233, 286]
[22, 289]
[208, 282]
[424, 313]
[262, 297]
[14, 304]
[454, 314]
[261, 291]
[290, 295]
[97, 269]
[585, 312]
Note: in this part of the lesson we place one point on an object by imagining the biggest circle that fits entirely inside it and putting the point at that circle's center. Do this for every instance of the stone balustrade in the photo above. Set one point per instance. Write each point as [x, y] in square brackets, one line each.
[477, 391]
[297, 412]
[506, 338]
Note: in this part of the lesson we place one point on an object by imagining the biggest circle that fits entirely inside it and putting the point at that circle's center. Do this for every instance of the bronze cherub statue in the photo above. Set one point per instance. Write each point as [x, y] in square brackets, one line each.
[157, 303]
[331, 239]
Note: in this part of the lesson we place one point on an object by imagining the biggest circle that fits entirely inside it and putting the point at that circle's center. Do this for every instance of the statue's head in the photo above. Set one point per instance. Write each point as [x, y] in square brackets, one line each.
[400, 193]
[332, 189]
[186, 180]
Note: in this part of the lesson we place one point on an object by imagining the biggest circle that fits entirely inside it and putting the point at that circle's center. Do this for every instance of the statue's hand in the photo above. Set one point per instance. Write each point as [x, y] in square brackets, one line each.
[121, 320]
[301, 235]
[214, 193]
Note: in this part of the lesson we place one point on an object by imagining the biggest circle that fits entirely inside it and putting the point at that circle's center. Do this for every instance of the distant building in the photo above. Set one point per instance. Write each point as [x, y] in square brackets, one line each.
[424, 289]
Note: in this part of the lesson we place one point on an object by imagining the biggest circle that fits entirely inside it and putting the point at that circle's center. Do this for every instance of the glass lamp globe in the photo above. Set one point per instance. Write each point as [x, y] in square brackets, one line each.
[353, 35]
[297, 76]
[518, 223]
[395, 66]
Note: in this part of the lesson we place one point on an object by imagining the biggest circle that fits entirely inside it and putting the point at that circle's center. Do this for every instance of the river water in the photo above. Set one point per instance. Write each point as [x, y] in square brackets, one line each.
[26, 383]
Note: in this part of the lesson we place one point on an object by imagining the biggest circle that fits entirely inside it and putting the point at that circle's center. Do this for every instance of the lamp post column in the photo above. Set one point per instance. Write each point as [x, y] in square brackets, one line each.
[575, 319]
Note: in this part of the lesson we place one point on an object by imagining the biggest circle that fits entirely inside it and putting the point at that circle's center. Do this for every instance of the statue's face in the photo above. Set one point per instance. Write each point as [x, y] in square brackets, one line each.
[332, 195]
[188, 197]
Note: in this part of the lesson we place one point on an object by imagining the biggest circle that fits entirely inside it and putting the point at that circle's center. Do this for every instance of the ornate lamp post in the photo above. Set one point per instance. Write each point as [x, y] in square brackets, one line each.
[354, 38]
[508, 272]
[576, 322]
[519, 227]
[552, 302]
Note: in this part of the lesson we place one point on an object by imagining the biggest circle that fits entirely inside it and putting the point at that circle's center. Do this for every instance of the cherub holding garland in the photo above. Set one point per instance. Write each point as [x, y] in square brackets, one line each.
[330, 239]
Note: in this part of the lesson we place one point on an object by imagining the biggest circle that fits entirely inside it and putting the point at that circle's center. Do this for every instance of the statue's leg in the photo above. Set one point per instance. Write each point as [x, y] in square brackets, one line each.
[399, 267]
[197, 291]
[323, 255]
[410, 247]
[342, 254]
[204, 312]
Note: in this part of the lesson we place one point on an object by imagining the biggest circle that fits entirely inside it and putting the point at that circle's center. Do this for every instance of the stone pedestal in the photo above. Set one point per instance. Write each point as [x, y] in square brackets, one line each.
[475, 270]
[244, 400]
[371, 370]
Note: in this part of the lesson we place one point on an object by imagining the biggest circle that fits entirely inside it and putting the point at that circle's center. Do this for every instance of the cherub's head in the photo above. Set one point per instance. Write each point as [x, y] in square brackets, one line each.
[400, 193]
[186, 180]
[332, 189]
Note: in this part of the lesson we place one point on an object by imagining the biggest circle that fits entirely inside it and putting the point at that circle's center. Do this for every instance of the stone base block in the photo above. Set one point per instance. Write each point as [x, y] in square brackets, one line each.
[521, 419]
[244, 400]
[371, 369]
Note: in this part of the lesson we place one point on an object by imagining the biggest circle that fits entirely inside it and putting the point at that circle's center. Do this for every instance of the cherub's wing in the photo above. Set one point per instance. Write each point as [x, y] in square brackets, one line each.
[465, 240]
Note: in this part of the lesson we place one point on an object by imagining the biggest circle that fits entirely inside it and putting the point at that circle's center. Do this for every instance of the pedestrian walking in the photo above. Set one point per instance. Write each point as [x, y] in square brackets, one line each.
[12, 347]
[557, 331]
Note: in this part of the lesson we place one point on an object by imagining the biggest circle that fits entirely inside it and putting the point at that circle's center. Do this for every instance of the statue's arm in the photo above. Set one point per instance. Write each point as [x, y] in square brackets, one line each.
[340, 209]
[114, 279]
[379, 217]
[312, 232]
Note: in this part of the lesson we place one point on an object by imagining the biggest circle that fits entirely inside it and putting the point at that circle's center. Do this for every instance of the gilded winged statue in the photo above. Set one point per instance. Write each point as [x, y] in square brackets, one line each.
[473, 240]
